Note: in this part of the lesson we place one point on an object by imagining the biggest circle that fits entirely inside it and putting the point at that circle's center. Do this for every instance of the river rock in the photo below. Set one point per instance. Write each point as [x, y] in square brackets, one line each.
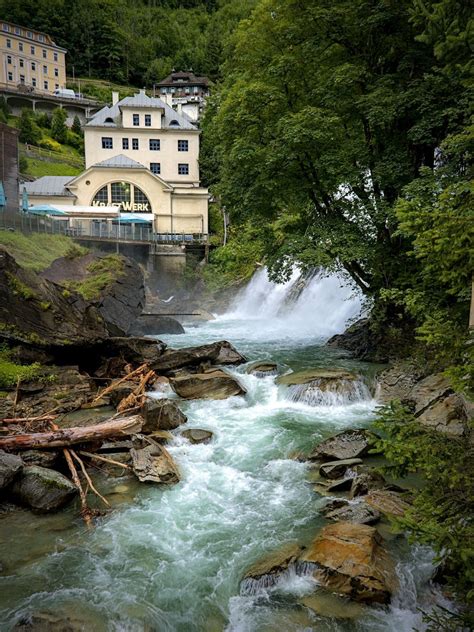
[326, 604]
[349, 559]
[161, 414]
[153, 464]
[213, 384]
[336, 469]
[134, 350]
[349, 444]
[42, 489]
[154, 325]
[121, 391]
[267, 571]
[10, 466]
[197, 435]
[43, 458]
[217, 353]
[387, 502]
[262, 369]
[365, 480]
[342, 511]
[325, 377]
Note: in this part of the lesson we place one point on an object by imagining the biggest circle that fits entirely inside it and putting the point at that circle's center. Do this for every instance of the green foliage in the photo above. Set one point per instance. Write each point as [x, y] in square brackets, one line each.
[35, 251]
[11, 372]
[29, 131]
[443, 509]
[58, 125]
[101, 273]
[18, 287]
[75, 250]
[43, 119]
[23, 164]
[76, 126]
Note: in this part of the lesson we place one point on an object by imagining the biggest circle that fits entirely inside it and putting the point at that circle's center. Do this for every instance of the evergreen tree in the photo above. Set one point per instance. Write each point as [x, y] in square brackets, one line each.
[58, 125]
[76, 126]
[29, 131]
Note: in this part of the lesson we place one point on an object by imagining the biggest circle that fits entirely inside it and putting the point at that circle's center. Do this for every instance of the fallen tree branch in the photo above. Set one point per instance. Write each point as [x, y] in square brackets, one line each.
[102, 458]
[71, 436]
[86, 512]
[114, 385]
[88, 479]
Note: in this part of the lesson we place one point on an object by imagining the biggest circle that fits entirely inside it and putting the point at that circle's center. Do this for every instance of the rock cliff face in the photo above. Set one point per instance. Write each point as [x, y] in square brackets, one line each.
[122, 299]
[38, 312]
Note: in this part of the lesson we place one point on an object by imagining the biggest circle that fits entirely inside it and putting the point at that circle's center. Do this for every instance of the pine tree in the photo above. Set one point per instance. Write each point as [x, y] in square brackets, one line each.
[76, 126]
[29, 131]
[58, 125]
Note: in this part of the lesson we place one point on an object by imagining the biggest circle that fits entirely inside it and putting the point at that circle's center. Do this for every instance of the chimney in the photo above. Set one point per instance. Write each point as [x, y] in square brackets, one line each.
[169, 99]
[179, 109]
[142, 91]
[115, 97]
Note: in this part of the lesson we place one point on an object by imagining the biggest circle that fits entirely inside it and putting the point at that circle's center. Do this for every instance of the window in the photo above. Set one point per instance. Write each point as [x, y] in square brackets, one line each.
[102, 196]
[45, 85]
[17, 30]
[147, 120]
[120, 192]
[139, 197]
[9, 59]
[183, 168]
[155, 167]
[22, 78]
[9, 43]
[45, 70]
[45, 53]
[56, 86]
[124, 143]
[20, 46]
[22, 63]
[174, 123]
[32, 49]
[40, 38]
[33, 65]
[56, 72]
[154, 144]
[10, 76]
[29, 34]
[33, 82]
[136, 119]
[183, 145]
[134, 143]
[107, 142]
[55, 56]
[6, 28]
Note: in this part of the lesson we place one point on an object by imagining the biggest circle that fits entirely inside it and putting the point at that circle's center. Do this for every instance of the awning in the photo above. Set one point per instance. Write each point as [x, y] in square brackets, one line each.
[45, 209]
[131, 218]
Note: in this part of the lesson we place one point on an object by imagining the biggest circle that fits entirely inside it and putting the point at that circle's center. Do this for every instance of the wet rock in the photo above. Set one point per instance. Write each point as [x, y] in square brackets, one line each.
[152, 464]
[214, 384]
[325, 376]
[217, 353]
[110, 468]
[10, 466]
[349, 559]
[267, 571]
[42, 489]
[336, 469]
[263, 369]
[134, 350]
[387, 502]
[447, 415]
[161, 414]
[397, 382]
[343, 511]
[197, 435]
[154, 325]
[350, 444]
[360, 341]
[120, 392]
[326, 604]
[49, 622]
[365, 480]
[43, 458]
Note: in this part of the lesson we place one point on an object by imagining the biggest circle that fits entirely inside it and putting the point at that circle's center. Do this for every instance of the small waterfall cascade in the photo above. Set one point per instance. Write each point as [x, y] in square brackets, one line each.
[339, 392]
[318, 303]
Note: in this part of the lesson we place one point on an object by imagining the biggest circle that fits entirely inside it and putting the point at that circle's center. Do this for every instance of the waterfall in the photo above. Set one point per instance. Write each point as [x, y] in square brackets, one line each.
[324, 306]
[340, 393]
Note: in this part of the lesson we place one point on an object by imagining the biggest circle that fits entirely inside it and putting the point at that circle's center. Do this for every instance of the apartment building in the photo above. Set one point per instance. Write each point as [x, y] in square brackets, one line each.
[30, 60]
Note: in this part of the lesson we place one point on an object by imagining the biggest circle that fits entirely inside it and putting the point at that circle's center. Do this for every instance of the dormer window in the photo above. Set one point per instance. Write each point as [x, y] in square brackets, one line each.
[174, 123]
[136, 119]
[109, 119]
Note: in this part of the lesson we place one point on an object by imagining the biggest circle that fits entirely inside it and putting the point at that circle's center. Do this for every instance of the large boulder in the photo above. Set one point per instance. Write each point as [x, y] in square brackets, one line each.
[325, 377]
[197, 435]
[359, 340]
[268, 570]
[120, 296]
[365, 480]
[324, 386]
[10, 466]
[263, 369]
[336, 469]
[217, 353]
[154, 325]
[161, 414]
[349, 559]
[37, 312]
[341, 510]
[387, 502]
[42, 489]
[349, 444]
[213, 384]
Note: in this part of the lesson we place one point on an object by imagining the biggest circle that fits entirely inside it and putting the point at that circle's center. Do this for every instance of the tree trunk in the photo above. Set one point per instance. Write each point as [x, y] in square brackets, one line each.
[71, 436]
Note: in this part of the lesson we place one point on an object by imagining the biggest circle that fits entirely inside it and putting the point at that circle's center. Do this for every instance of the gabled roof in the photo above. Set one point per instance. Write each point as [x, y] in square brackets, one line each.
[110, 116]
[120, 161]
[183, 78]
[49, 185]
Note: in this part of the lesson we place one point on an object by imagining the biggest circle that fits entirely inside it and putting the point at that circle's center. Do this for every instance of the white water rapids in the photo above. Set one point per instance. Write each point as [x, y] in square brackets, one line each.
[171, 560]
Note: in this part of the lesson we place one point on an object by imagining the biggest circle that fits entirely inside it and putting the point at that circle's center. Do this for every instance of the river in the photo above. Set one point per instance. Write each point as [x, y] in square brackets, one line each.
[171, 559]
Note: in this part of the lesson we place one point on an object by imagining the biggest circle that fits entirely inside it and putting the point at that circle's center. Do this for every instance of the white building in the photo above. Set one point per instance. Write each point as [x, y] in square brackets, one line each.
[142, 157]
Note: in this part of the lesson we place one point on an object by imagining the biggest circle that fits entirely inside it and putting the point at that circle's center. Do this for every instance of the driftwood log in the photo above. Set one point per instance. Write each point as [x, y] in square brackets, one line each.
[71, 436]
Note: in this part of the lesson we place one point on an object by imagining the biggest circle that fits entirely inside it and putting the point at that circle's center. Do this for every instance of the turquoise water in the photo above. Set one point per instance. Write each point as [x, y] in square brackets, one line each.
[171, 559]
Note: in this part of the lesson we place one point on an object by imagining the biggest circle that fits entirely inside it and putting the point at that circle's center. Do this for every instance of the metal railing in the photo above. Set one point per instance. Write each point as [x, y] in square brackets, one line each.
[95, 230]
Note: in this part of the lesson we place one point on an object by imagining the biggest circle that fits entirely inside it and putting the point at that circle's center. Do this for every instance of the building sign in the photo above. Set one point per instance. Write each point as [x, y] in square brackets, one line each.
[124, 195]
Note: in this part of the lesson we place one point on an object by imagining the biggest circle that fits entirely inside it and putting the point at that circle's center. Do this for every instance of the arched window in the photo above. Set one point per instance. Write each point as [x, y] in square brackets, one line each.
[174, 123]
[109, 119]
[125, 195]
